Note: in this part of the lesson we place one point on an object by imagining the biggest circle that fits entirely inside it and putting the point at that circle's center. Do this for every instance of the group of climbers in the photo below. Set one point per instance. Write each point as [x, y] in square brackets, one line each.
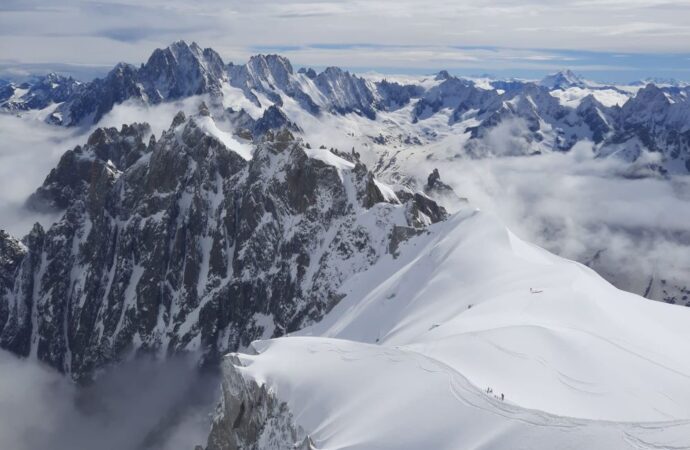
[491, 391]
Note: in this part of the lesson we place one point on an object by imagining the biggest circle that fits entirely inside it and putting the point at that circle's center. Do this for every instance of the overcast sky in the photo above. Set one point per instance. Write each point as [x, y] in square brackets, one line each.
[603, 39]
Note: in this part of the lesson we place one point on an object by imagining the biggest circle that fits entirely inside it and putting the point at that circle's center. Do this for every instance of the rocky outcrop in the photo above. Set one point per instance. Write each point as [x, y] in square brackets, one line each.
[251, 417]
[273, 119]
[12, 252]
[434, 185]
[107, 151]
[183, 244]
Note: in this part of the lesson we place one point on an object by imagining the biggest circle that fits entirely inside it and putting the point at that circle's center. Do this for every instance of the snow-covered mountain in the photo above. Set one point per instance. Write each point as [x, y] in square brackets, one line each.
[559, 111]
[194, 240]
[469, 338]
[562, 80]
[38, 93]
[295, 220]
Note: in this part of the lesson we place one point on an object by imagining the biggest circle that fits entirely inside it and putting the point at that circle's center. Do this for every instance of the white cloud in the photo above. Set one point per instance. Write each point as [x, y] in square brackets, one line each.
[577, 206]
[141, 404]
[98, 32]
[29, 150]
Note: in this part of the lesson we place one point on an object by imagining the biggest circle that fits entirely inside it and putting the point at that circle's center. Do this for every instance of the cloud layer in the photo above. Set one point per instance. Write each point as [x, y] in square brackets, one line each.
[141, 404]
[28, 151]
[601, 212]
[408, 35]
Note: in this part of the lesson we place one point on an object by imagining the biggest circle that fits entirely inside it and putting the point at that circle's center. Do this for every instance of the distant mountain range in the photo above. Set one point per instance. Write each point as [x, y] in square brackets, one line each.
[559, 111]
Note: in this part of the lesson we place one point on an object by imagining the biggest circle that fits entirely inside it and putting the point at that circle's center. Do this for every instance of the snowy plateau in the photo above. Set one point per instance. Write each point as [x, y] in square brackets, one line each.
[350, 253]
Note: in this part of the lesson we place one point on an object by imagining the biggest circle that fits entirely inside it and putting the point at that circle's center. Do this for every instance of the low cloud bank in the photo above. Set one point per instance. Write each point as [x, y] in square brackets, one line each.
[28, 151]
[30, 148]
[618, 217]
[139, 405]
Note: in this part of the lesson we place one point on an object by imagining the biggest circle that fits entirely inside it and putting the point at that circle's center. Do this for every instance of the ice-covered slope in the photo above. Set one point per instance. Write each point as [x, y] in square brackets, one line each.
[404, 360]
[361, 396]
[548, 332]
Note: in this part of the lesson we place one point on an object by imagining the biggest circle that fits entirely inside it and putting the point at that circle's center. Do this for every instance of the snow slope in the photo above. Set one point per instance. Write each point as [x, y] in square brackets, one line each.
[404, 360]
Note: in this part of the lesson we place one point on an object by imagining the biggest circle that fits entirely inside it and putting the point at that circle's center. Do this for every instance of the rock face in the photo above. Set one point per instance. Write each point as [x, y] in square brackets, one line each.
[346, 92]
[249, 416]
[434, 185]
[183, 70]
[178, 71]
[107, 149]
[272, 76]
[182, 244]
[655, 122]
[12, 252]
[455, 94]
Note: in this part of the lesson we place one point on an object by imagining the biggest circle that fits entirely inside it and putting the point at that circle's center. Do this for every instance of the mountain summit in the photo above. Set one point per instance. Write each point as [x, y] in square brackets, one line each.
[562, 80]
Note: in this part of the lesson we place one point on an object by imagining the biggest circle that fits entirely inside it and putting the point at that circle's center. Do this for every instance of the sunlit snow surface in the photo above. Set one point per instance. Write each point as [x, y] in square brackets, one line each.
[405, 359]
[573, 96]
[209, 126]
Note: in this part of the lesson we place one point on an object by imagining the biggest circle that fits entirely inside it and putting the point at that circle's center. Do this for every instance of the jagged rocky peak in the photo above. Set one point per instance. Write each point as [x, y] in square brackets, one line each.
[271, 75]
[442, 75]
[181, 70]
[107, 151]
[184, 244]
[394, 95]
[265, 73]
[597, 117]
[453, 93]
[246, 127]
[308, 72]
[271, 65]
[435, 185]
[346, 92]
[175, 72]
[562, 80]
[273, 119]
[93, 100]
[649, 104]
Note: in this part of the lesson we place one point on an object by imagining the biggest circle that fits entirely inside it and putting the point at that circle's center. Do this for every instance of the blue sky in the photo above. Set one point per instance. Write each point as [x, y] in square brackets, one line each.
[605, 40]
[520, 63]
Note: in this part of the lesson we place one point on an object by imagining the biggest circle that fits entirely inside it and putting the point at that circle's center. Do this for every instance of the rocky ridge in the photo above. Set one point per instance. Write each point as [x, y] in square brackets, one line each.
[182, 244]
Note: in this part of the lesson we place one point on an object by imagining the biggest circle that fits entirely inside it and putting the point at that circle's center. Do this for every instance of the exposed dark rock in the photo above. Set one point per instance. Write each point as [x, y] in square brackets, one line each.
[183, 245]
[107, 150]
[310, 73]
[347, 92]
[252, 417]
[434, 185]
[178, 71]
[273, 119]
[395, 95]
